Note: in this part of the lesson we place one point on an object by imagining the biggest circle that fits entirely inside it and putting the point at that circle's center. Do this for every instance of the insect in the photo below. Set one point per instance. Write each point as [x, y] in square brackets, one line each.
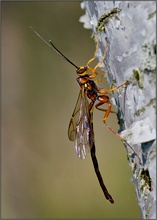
[81, 124]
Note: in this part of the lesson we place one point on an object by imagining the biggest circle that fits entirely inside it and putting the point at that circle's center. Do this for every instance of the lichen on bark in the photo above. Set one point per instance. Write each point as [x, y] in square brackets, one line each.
[130, 29]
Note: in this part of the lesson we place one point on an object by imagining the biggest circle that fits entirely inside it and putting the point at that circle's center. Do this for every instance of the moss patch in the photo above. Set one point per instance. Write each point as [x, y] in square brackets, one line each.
[104, 19]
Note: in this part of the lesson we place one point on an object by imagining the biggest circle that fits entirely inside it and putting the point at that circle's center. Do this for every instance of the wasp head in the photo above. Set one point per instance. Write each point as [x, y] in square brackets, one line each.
[82, 71]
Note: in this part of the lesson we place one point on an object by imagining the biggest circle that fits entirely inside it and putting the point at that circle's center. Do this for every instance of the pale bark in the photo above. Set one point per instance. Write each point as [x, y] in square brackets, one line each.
[130, 29]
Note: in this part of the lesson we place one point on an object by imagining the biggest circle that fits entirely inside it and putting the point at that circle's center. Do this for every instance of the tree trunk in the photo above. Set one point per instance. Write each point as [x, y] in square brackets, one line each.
[131, 55]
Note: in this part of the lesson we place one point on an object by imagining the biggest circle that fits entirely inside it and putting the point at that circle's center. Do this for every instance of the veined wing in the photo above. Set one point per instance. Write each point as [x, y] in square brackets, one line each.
[80, 127]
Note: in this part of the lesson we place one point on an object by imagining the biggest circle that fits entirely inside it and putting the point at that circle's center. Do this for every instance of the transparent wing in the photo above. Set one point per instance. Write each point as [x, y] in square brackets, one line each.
[80, 127]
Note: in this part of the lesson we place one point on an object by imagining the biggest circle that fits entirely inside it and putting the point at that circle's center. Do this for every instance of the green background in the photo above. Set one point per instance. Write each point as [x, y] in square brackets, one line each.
[41, 175]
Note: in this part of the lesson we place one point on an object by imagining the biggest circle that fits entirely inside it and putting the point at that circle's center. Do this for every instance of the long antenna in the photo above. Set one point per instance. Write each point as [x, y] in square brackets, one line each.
[51, 45]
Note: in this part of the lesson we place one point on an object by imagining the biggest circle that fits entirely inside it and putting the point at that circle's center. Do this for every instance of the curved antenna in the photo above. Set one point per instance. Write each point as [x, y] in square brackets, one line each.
[52, 46]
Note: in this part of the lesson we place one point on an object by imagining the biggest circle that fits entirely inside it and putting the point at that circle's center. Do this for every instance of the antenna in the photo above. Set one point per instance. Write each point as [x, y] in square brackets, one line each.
[52, 46]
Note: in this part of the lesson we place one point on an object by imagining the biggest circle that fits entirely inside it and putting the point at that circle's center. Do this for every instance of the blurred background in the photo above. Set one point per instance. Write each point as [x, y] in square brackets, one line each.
[42, 177]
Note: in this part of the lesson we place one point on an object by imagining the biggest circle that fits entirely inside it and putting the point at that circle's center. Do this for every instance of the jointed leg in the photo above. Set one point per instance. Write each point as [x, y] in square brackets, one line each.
[105, 99]
[93, 70]
[102, 91]
[103, 58]
[94, 73]
[102, 100]
[93, 57]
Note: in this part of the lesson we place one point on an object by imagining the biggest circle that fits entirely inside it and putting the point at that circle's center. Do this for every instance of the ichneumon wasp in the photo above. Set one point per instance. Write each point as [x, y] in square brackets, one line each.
[81, 124]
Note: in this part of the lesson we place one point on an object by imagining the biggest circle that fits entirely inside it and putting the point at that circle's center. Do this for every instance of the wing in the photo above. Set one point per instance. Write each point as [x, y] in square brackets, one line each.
[80, 127]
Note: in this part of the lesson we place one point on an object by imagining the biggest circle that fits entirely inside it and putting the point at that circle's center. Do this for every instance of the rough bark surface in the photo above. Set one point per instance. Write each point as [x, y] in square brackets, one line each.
[130, 29]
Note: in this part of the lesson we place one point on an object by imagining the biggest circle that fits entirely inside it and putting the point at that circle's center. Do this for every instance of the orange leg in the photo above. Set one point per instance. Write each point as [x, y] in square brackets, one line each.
[93, 70]
[102, 100]
[105, 99]
[102, 91]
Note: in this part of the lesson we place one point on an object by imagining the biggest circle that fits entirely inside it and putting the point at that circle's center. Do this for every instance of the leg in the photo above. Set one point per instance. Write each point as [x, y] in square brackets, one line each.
[124, 141]
[93, 70]
[102, 100]
[103, 58]
[105, 99]
[94, 73]
[102, 91]
[94, 55]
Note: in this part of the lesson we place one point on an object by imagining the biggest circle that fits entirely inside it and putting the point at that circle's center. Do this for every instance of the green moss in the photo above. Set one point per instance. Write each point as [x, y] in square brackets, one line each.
[151, 15]
[129, 157]
[148, 211]
[136, 74]
[113, 83]
[145, 180]
[138, 77]
[138, 112]
[104, 19]
[148, 63]
[134, 168]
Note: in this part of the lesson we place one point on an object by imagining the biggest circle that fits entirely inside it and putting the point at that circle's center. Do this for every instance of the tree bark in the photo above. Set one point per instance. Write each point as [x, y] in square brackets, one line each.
[131, 55]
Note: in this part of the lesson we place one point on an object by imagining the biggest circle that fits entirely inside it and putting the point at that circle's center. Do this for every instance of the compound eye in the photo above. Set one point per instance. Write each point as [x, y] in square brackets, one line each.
[82, 71]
